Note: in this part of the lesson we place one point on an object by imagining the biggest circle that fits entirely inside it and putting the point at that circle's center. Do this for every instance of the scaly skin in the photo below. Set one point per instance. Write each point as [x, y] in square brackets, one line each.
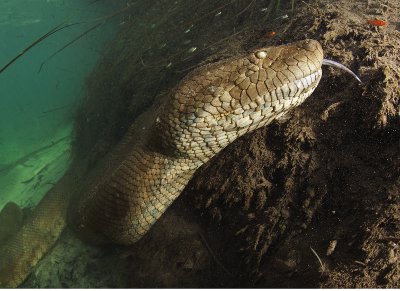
[132, 187]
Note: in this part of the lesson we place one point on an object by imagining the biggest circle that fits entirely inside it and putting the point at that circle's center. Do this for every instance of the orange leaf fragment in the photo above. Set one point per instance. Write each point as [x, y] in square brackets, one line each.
[377, 22]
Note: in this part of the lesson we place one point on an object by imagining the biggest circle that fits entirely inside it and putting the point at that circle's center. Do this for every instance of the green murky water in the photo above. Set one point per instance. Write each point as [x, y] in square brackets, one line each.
[39, 93]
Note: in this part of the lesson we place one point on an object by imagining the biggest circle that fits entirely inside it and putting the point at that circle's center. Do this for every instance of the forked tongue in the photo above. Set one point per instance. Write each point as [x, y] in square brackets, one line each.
[340, 66]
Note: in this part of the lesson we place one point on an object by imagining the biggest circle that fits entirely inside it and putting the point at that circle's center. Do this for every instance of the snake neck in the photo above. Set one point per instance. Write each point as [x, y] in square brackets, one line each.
[130, 199]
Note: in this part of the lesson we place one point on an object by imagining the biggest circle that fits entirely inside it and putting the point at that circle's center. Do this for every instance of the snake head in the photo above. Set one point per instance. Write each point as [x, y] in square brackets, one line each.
[219, 102]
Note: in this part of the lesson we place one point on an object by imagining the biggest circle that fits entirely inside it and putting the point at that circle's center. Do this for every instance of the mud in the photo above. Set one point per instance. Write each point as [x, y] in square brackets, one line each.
[310, 201]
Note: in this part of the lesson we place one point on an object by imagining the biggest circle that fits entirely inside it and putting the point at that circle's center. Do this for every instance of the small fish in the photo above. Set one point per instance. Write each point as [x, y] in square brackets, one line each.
[377, 22]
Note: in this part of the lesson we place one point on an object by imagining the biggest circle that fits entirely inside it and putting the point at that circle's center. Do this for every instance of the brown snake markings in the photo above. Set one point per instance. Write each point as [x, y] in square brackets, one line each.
[135, 184]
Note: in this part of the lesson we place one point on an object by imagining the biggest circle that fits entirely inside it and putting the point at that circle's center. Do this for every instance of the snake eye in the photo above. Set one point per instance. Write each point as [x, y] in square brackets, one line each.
[261, 54]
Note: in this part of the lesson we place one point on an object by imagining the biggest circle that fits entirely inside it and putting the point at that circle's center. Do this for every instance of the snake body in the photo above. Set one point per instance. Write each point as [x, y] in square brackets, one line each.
[210, 108]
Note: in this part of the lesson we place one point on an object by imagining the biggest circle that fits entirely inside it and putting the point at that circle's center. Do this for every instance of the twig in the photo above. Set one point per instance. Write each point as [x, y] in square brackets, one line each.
[43, 37]
[103, 19]
[319, 259]
[68, 44]
[360, 263]
[309, 6]
[192, 22]
[207, 47]
[54, 30]
[247, 7]
[94, 1]
[56, 109]
[203, 239]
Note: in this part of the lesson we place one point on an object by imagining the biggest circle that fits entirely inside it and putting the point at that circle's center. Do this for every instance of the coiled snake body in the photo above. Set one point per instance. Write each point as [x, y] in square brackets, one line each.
[133, 186]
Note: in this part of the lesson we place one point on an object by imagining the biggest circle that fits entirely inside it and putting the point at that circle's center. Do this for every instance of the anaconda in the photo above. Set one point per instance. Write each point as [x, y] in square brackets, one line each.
[134, 185]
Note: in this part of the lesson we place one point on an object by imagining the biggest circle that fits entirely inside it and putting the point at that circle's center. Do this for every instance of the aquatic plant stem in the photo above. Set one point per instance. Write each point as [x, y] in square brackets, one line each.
[68, 44]
[39, 40]
[57, 29]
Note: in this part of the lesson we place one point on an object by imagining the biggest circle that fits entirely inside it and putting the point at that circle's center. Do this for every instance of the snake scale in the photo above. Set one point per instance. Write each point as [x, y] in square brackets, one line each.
[134, 185]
